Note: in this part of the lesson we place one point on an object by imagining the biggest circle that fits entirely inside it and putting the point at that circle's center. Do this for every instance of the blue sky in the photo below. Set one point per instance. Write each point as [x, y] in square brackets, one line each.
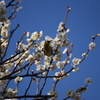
[83, 22]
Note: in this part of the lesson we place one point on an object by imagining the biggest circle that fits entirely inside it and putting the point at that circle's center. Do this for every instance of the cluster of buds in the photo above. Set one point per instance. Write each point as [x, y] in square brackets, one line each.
[3, 11]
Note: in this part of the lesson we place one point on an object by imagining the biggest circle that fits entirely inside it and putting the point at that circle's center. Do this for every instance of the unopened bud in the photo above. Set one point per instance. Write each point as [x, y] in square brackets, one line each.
[93, 37]
[98, 35]
[69, 9]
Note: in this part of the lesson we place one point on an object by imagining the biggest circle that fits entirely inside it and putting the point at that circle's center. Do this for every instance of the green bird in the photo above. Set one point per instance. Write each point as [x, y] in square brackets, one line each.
[48, 49]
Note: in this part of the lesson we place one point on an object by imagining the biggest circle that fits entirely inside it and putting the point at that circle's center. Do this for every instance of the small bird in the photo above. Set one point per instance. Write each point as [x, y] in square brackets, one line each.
[48, 49]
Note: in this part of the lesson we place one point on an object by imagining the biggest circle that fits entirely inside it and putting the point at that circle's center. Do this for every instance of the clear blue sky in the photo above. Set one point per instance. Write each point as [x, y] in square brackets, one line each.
[83, 22]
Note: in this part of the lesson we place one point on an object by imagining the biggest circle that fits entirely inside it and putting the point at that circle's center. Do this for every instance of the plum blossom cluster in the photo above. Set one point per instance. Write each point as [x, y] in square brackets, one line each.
[4, 34]
[5, 67]
[77, 95]
[3, 11]
[33, 43]
[61, 75]
[92, 46]
[31, 53]
[4, 27]
[9, 93]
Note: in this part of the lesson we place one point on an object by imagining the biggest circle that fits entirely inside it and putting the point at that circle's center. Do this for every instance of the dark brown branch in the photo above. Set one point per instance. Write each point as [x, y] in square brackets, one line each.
[9, 75]
[10, 3]
[35, 75]
[3, 62]
[31, 96]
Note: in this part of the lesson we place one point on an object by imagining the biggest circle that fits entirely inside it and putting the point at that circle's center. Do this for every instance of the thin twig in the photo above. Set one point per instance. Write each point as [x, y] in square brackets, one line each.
[28, 87]
[10, 3]
[66, 15]
[44, 82]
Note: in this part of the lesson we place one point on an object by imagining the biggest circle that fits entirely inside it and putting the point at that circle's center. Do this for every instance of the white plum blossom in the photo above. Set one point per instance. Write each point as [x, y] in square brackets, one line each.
[12, 92]
[53, 93]
[8, 66]
[65, 43]
[92, 46]
[40, 67]
[42, 44]
[2, 69]
[61, 35]
[57, 57]
[84, 54]
[27, 34]
[48, 38]
[36, 35]
[61, 75]
[2, 82]
[22, 46]
[30, 58]
[37, 62]
[70, 93]
[52, 67]
[26, 54]
[2, 3]
[29, 40]
[38, 55]
[19, 8]
[60, 64]
[60, 27]
[40, 33]
[47, 64]
[55, 43]
[76, 61]
[18, 79]
[88, 80]
[4, 29]
[2, 74]
[3, 46]
[47, 59]
[19, 62]
[44, 73]
[6, 26]
[7, 22]
[37, 47]
[4, 34]
[75, 69]
[65, 50]
[7, 72]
